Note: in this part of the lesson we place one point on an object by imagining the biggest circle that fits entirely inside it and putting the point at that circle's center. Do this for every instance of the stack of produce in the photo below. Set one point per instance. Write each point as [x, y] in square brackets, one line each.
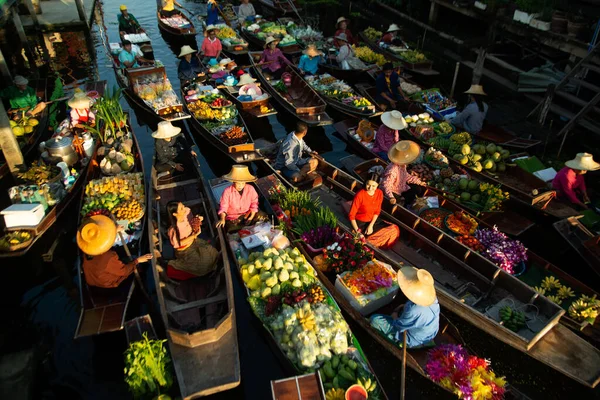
[39, 173]
[421, 171]
[367, 55]
[347, 254]
[266, 29]
[217, 114]
[409, 88]
[234, 136]
[118, 159]
[126, 191]
[109, 111]
[471, 242]
[337, 89]
[340, 373]
[499, 248]
[435, 216]
[435, 158]
[461, 223]
[555, 291]
[443, 128]
[228, 36]
[157, 92]
[412, 56]
[585, 309]
[373, 34]
[306, 34]
[373, 277]
[24, 125]
[14, 238]
[418, 119]
[176, 21]
[478, 157]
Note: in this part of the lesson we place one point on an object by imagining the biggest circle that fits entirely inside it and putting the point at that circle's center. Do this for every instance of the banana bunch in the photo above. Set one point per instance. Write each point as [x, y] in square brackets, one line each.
[367, 383]
[335, 394]
[565, 292]
[362, 102]
[513, 319]
[550, 283]
[369, 56]
[372, 33]
[461, 138]
[585, 308]
[226, 32]
[306, 319]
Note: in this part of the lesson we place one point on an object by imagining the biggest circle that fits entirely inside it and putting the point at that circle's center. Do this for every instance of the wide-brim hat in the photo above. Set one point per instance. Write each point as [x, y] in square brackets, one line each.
[20, 80]
[165, 130]
[123, 7]
[404, 152]
[225, 61]
[393, 120]
[185, 50]
[240, 173]
[417, 285]
[584, 162]
[342, 36]
[211, 27]
[79, 101]
[233, 82]
[96, 235]
[341, 19]
[216, 68]
[246, 79]
[269, 40]
[312, 51]
[393, 28]
[476, 89]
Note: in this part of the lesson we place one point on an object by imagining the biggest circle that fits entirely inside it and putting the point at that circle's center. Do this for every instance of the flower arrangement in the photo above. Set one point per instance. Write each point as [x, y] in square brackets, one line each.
[504, 252]
[347, 254]
[469, 377]
[368, 279]
[492, 197]
[319, 237]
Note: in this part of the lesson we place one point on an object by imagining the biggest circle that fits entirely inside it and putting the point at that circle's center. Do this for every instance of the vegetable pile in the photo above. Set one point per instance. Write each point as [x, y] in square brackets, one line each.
[369, 56]
[471, 242]
[147, 367]
[339, 90]
[461, 223]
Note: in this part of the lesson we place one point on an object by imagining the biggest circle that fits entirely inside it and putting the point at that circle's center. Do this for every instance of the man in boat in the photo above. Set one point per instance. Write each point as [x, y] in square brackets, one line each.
[128, 57]
[387, 133]
[22, 98]
[389, 91]
[342, 27]
[471, 119]
[309, 61]
[289, 158]
[168, 9]
[169, 148]
[396, 178]
[569, 183]
[212, 12]
[189, 67]
[101, 265]
[127, 22]
[211, 45]
[246, 10]
[420, 316]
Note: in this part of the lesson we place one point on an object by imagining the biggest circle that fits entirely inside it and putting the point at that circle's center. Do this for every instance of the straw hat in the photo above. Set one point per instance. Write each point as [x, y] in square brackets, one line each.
[393, 28]
[341, 19]
[584, 162]
[96, 235]
[393, 120]
[246, 79]
[211, 27]
[20, 80]
[270, 39]
[79, 101]
[312, 51]
[123, 7]
[476, 89]
[225, 61]
[165, 130]
[404, 152]
[417, 285]
[239, 173]
[185, 50]
[342, 36]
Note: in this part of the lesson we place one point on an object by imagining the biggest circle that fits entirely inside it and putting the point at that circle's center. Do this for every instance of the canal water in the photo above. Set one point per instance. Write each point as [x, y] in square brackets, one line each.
[46, 315]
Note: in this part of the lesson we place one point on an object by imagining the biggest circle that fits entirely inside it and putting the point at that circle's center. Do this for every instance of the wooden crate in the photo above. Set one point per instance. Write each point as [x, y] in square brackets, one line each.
[304, 387]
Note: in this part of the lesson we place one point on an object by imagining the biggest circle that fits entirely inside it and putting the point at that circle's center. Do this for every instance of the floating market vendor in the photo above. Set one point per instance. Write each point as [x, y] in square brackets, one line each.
[211, 45]
[272, 59]
[245, 10]
[396, 178]
[471, 119]
[168, 9]
[345, 57]
[289, 158]
[101, 265]
[387, 134]
[420, 316]
[190, 66]
[366, 207]
[193, 256]
[238, 206]
[342, 27]
[309, 61]
[169, 148]
[387, 84]
[391, 36]
[23, 97]
[212, 12]
[81, 114]
[569, 182]
[128, 56]
[127, 22]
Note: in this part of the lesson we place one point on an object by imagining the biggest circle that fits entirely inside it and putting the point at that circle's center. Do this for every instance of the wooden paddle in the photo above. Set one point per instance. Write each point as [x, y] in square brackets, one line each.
[403, 371]
[47, 103]
[136, 273]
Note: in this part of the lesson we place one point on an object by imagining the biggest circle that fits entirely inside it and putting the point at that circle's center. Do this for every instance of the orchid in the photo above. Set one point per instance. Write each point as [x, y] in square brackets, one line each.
[503, 251]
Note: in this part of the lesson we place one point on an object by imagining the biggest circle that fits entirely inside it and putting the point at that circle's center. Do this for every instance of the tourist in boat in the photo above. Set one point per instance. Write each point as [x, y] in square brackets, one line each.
[168, 9]
[22, 97]
[289, 158]
[212, 12]
[310, 60]
[366, 207]
[272, 59]
[245, 10]
[169, 148]
[128, 57]
[387, 134]
[127, 22]
[211, 45]
[396, 178]
[193, 256]
[101, 265]
[342, 27]
[81, 114]
[190, 66]
[387, 85]
[248, 87]
[391, 36]
[345, 57]
[238, 206]
[420, 316]
[569, 182]
[471, 119]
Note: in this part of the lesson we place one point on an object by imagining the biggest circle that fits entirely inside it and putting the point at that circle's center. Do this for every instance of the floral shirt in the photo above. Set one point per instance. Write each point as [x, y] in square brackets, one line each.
[235, 204]
[385, 139]
[396, 179]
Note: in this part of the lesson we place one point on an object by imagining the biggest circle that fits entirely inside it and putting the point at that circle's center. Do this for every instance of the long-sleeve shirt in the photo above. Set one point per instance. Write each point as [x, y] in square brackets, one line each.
[471, 119]
[235, 204]
[212, 14]
[18, 98]
[168, 150]
[211, 48]
[308, 64]
[187, 71]
[129, 23]
[276, 56]
[365, 207]
[290, 152]
[106, 270]
[396, 179]
[420, 323]
[349, 36]
[566, 181]
[385, 139]
[390, 85]
[245, 10]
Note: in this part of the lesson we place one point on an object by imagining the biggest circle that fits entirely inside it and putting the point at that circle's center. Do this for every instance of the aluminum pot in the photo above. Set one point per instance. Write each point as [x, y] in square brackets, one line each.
[62, 147]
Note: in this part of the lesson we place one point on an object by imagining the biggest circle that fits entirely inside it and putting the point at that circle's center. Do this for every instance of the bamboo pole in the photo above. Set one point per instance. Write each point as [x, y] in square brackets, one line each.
[23, 38]
[403, 372]
[82, 15]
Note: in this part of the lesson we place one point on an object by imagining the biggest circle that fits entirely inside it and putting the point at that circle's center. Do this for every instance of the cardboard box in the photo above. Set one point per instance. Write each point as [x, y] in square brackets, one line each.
[25, 215]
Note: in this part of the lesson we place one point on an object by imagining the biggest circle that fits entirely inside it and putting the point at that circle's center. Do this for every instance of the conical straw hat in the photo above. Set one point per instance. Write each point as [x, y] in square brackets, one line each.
[417, 285]
[79, 101]
[96, 235]
[393, 28]
[246, 79]
[404, 152]
[584, 162]
[393, 120]
[185, 50]
[270, 39]
[239, 173]
[165, 130]
[476, 89]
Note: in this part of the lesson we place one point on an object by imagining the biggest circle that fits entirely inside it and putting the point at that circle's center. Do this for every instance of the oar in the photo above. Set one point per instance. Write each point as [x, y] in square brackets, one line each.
[136, 273]
[403, 371]
[47, 103]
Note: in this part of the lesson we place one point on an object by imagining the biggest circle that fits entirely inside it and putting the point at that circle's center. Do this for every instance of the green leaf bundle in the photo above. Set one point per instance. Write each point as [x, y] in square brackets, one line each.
[147, 367]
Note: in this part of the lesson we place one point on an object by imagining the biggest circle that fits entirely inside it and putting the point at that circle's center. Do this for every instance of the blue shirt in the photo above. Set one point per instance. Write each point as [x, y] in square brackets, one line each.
[125, 56]
[382, 86]
[420, 323]
[189, 70]
[212, 14]
[309, 65]
[471, 119]
[290, 152]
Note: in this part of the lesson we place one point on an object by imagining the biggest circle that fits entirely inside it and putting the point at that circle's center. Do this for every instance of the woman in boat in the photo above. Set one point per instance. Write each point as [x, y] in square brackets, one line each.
[391, 36]
[471, 119]
[22, 97]
[273, 59]
[387, 134]
[366, 207]
[190, 66]
[238, 206]
[193, 256]
[101, 265]
[212, 12]
[169, 148]
[342, 27]
[420, 316]
[248, 87]
[246, 10]
[396, 178]
[310, 60]
[128, 24]
[387, 85]
[168, 9]
[345, 57]
[81, 114]
[569, 182]
[211, 45]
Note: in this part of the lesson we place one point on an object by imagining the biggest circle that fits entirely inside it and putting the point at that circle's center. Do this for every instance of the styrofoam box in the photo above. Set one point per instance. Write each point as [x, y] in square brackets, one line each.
[26, 215]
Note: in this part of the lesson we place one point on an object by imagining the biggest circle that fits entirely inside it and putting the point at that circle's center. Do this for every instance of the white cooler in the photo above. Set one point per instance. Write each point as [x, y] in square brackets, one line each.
[26, 215]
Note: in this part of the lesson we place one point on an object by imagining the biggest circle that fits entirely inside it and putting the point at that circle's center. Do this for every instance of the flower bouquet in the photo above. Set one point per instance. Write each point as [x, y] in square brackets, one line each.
[316, 239]
[347, 254]
[504, 252]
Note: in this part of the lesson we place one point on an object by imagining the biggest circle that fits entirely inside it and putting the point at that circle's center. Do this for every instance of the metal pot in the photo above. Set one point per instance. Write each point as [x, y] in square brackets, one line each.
[62, 147]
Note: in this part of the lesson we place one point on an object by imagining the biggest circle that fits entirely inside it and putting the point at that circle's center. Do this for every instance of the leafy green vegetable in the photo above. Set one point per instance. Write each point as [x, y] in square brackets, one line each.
[320, 217]
[57, 93]
[147, 367]
[109, 110]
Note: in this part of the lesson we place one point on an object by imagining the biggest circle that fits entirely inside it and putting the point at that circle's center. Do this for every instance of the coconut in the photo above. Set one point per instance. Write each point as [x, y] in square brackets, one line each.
[463, 183]
[476, 198]
[496, 157]
[112, 154]
[477, 166]
[465, 196]
[120, 157]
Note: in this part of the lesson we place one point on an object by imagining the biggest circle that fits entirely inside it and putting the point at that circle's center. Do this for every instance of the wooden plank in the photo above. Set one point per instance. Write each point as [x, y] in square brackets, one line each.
[199, 303]
[177, 184]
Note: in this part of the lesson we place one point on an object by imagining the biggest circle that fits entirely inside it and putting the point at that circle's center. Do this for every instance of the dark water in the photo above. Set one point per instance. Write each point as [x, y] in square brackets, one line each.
[46, 315]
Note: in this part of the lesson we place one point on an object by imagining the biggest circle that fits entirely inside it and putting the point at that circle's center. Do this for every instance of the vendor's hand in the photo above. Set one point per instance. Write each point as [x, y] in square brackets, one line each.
[220, 223]
[393, 103]
[144, 258]
[179, 167]
[393, 201]
[369, 230]
[314, 153]
[193, 153]
[586, 198]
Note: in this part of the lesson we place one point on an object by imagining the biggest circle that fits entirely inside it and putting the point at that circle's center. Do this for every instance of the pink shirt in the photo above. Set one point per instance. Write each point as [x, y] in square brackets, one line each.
[235, 205]
[211, 48]
[396, 179]
[82, 117]
[185, 230]
[273, 55]
[566, 181]
[385, 139]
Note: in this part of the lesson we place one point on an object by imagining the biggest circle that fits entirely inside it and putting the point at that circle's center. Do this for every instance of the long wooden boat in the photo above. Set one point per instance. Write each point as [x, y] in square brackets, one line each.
[233, 47]
[199, 313]
[290, 50]
[253, 107]
[348, 75]
[280, 7]
[582, 240]
[176, 31]
[300, 100]
[474, 289]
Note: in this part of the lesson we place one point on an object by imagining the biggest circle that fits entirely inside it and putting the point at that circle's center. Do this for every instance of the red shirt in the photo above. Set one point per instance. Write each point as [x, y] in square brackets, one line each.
[365, 207]
[106, 270]
[388, 38]
[349, 36]
[210, 48]
[566, 181]
[235, 204]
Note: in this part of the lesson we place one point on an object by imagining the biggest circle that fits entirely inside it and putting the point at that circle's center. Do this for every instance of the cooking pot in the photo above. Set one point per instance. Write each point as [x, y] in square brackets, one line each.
[62, 147]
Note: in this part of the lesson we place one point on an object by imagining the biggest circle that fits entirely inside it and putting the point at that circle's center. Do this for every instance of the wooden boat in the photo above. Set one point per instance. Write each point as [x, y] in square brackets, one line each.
[233, 47]
[198, 314]
[348, 75]
[301, 100]
[238, 152]
[309, 385]
[253, 107]
[290, 50]
[136, 327]
[474, 289]
[175, 31]
[280, 7]
[582, 240]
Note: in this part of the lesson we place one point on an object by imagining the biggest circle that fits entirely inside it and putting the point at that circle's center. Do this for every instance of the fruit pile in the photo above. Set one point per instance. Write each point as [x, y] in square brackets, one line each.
[234, 136]
[361, 103]
[14, 238]
[130, 210]
[23, 125]
[108, 192]
[264, 109]
[225, 32]
[479, 157]
[201, 110]
[369, 56]
[554, 290]
[414, 120]
[316, 294]
[116, 162]
[39, 173]
[342, 372]
[372, 33]
[461, 138]
[471, 242]
[461, 223]
[512, 319]
[585, 309]
[409, 88]
[435, 216]
[220, 103]
[443, 128]
[413, 56]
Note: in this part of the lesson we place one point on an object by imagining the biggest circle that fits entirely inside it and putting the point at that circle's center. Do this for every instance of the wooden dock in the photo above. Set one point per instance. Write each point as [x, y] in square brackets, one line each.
[60, 15]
